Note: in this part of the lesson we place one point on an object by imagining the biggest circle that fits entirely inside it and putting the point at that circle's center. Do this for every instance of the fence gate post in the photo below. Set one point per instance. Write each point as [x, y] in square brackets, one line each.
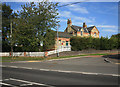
[24, 53]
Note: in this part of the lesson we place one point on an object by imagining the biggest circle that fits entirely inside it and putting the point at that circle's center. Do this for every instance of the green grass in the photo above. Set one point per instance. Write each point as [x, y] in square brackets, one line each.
[76, 56]
[10, 59]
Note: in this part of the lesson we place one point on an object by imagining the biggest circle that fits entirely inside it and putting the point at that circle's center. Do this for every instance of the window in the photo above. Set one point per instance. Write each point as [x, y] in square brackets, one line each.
[81, 33]
[66, 43]
[95, 34]
[59, 41]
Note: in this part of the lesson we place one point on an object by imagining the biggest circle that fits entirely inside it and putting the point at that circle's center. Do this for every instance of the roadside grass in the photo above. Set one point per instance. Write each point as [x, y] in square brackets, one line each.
[77, 56]
[10, 59]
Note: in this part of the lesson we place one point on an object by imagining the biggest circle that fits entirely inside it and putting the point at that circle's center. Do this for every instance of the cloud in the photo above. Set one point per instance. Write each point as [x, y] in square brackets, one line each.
[110, 30]
[65, 13]
[75, 19]
[62, 20]
[78, 9]
[77, 23]
[107, 26]
[84, 19]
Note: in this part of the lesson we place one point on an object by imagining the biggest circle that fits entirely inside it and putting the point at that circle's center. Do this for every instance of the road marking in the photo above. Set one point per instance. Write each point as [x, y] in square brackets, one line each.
[117, 63]
[7, 84]
[33, 61]
[29, 82]
[25, 84]
[89, 73]
[5, 79]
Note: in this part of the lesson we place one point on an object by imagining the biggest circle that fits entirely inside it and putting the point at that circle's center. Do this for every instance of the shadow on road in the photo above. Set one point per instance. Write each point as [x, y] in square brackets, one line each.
[114, 58]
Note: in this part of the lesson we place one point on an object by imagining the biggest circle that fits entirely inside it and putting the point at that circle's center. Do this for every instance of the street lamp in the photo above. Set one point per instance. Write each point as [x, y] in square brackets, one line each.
[57, 43]
[11, 39]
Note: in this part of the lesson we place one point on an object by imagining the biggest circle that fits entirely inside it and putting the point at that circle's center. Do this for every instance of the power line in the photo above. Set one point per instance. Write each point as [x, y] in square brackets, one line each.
[72, 3]
[69, 4]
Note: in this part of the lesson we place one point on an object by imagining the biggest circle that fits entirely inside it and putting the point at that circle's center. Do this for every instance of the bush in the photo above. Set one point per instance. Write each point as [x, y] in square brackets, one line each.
[103, 43]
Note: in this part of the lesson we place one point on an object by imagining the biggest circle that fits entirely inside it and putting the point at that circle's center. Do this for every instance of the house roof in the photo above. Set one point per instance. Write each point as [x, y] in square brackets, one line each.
[90, 28]
[85, 30]
[78, 28]
[64, 35]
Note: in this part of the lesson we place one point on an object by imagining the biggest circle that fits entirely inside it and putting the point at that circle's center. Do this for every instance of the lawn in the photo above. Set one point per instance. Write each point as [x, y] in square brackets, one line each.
[10, 59]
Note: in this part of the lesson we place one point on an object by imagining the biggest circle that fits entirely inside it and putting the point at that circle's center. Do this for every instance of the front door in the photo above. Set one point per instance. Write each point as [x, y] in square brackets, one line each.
[66, 43]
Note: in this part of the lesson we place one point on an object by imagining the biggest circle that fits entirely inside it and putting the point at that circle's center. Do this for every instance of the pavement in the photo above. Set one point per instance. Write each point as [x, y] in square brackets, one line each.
[89, 70]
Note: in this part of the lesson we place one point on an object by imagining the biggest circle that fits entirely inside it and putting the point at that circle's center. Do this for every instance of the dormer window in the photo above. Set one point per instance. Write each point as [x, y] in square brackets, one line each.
[95, 34]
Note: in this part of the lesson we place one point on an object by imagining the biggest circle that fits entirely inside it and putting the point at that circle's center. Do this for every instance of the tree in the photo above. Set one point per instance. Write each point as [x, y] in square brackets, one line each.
[6, 20]
[32, 23]
[49, 40]
[115, 39]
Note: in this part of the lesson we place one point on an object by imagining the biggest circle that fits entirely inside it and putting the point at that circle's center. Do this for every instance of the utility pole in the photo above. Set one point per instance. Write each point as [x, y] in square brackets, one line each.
[11, 40]
[57, 42]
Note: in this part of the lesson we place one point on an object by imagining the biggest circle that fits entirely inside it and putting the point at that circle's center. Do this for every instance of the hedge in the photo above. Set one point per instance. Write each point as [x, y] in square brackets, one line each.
[103, 43]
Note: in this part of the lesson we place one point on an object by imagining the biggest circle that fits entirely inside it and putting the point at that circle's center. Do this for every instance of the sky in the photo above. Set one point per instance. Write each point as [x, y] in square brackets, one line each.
[103, 15]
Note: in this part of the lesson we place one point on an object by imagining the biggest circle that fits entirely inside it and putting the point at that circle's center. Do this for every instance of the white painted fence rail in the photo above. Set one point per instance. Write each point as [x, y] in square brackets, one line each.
[22, 53]
[4, 54]
[60, 49]
[35, 54]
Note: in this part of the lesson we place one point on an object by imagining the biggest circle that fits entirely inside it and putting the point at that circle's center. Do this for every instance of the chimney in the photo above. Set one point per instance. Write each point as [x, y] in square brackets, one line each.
[84, 25]
[69, 22]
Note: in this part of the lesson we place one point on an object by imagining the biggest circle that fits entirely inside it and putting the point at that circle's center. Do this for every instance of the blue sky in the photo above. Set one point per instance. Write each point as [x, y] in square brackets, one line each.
[104, 15]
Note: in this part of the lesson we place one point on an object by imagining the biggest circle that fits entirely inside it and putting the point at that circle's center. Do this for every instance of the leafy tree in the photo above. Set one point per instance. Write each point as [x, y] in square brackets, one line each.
[115, 39]
[49, 40]
[7, 16]
[32, 23]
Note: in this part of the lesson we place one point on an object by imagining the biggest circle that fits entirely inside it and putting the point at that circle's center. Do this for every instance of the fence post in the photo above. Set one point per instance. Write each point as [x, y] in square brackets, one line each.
[46, 54]
[24, 53]
[10, 53]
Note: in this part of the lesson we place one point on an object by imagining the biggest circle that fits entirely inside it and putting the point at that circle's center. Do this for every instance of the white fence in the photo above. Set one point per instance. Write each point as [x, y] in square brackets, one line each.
[35, 54]
[23, 54]
[4, 54]
[60, 49]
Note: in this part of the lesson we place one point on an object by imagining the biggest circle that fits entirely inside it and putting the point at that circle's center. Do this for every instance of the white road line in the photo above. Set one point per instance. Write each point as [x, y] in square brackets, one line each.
[89, 73]
[29, 82]
[5, 79]
[25, 84]
[7, 84]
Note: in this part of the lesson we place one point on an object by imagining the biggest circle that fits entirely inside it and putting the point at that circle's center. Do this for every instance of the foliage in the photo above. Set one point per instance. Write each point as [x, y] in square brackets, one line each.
[103, 43]
[49, 40]
[6, 19]
[31, 24]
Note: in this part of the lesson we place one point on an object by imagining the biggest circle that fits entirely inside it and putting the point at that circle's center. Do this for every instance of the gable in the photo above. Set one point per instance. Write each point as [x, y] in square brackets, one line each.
[94, 29]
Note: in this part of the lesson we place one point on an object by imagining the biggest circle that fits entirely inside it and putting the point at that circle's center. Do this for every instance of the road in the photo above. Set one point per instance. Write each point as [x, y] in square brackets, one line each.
[76, 71]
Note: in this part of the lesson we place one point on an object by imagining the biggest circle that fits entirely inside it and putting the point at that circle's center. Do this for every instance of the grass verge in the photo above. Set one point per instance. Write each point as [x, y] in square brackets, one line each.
[10, 59]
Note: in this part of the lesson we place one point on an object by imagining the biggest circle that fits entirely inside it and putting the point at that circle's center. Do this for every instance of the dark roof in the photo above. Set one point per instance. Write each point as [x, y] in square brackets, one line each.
[76, 27]
[90, 28]
[64, 35]
[87, 30]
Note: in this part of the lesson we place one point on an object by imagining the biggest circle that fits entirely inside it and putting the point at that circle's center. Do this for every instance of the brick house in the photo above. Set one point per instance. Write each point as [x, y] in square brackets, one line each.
[63, 41]
[81, 31]
[73, 30]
